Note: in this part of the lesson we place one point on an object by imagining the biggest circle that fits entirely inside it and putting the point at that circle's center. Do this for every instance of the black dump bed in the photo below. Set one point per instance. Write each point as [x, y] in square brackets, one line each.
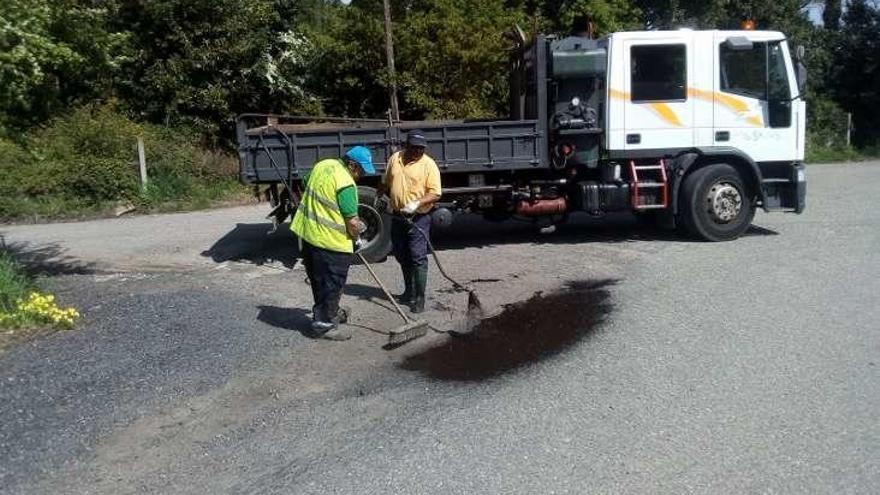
[271, 151]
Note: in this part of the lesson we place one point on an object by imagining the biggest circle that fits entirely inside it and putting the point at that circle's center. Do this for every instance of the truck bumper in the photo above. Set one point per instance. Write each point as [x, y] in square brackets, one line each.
[787, 193]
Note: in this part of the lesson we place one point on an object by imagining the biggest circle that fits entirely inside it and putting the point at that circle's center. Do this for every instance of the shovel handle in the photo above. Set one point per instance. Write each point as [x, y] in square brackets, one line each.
[455, 284]
[382, 286]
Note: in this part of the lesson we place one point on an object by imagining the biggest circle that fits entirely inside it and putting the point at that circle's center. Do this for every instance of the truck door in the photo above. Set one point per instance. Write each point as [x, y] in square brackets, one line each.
[752, 107]
[658, 113]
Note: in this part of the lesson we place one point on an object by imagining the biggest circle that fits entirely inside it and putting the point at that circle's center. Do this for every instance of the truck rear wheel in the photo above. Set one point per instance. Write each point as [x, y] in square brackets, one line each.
[715, 204]
[378, 233]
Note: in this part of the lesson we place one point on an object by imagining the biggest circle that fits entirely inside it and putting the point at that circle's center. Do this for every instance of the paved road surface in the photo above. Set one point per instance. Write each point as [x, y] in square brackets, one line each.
[742, 367]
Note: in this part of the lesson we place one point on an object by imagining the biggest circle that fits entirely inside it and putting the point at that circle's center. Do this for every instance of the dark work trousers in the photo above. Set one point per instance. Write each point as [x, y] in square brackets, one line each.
[327, 271]
[409, 246]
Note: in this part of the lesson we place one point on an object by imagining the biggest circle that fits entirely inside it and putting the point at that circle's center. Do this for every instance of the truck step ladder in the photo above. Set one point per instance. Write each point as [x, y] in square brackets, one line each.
[653, 177]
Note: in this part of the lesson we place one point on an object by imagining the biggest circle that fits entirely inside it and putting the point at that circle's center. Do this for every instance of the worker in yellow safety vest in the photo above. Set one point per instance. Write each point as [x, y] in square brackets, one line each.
[328, 226]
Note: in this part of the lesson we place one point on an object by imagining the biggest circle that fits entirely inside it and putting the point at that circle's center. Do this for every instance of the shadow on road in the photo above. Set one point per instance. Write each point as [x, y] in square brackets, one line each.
[296, 319]
[47, 259]
[472, 231]
[286, 318]
[251, 243]
[368, 292]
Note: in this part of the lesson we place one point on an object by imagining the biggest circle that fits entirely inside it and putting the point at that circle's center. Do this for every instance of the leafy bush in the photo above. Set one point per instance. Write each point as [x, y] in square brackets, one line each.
[86, 161]
[817, 153]
[826, 123]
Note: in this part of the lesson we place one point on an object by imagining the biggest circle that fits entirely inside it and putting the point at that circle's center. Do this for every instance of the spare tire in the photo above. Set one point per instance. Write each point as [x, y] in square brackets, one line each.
[378, 233]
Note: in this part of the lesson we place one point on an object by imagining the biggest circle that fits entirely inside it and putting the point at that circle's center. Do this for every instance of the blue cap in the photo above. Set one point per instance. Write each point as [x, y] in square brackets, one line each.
[363, 157]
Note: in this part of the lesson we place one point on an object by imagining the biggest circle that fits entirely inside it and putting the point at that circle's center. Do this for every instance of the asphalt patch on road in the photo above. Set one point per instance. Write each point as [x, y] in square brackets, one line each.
[523, 333]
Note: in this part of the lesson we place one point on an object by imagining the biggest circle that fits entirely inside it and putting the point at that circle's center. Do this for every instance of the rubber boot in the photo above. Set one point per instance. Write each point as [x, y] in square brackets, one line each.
[407, 295]
[420, 281]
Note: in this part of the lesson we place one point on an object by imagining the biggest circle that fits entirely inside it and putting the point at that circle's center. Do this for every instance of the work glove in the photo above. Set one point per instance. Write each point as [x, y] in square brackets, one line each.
[410, 207]
[362, 227]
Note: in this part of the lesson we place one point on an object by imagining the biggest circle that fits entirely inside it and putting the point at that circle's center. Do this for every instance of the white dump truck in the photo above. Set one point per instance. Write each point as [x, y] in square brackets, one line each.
[689, 129]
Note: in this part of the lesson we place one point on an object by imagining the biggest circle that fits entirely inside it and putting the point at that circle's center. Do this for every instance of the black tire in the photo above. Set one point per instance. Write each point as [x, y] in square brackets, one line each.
[715, 204]
[378, 234]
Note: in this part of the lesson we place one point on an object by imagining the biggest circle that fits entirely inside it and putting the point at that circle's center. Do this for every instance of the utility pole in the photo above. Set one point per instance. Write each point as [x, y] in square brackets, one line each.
[389, 53]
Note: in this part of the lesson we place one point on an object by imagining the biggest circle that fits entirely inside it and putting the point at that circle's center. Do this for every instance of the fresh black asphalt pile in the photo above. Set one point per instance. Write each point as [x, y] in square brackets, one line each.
[525, 332]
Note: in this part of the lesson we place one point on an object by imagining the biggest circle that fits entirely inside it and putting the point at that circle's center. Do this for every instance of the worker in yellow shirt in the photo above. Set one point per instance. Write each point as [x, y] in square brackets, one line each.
[329, 229]
[412, 181]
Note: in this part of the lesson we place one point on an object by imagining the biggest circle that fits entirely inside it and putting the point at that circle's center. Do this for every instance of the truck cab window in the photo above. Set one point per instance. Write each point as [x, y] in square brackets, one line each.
[659, 72]
[744, 72]
[778, 77]
[759, 73]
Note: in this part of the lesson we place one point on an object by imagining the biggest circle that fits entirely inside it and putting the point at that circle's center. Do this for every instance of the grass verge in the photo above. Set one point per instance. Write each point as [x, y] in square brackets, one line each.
[24, 310]
[84, 165]
[833, 155]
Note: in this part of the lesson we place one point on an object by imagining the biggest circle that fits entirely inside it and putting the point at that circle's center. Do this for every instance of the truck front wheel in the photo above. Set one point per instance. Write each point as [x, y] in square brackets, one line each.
[378, 233]
[715, 204]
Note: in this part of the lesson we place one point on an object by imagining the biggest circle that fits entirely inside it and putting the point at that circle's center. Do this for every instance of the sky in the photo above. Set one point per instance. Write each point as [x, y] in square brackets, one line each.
[814, 12]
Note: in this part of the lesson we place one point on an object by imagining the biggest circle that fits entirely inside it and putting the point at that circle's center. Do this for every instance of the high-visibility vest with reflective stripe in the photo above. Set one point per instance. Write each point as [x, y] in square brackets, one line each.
[318, 220]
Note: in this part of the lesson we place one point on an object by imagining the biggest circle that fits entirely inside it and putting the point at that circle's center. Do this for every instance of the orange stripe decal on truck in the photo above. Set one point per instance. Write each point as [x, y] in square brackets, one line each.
[729, 102]
[668, 115]
[662, 110]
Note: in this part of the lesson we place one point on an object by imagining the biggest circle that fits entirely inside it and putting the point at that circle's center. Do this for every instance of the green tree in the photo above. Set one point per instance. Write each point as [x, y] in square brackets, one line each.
[453, 57]
[558, 16]
[450, 57]
[200, 63]
[831, 14]
[53, 55]
[348, 73]
[857, 71]
[607, 16]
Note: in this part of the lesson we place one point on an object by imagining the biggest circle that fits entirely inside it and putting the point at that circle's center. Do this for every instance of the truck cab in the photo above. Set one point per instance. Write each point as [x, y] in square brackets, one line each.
[642, 114]
[677, 90]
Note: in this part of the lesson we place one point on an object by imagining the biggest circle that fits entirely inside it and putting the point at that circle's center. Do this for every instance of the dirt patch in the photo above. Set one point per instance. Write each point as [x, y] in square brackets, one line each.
[523, 333]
